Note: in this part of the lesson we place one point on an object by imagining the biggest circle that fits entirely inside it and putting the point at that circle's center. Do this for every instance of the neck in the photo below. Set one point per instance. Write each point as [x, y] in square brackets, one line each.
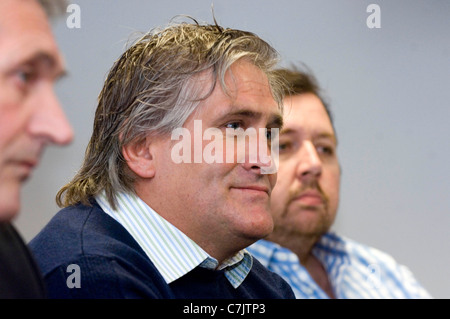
[299, 244]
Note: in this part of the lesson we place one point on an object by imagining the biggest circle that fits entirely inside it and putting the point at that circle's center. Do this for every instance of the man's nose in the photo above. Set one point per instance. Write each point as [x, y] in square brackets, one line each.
[260, 155]
[309, 162]
[48, 120]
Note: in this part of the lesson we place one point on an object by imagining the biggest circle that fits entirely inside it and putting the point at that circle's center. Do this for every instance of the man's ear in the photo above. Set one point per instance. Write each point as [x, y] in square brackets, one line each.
[139, 158]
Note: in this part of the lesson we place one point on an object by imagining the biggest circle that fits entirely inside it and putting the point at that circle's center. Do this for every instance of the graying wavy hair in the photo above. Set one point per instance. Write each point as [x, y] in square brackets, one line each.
[152, 89]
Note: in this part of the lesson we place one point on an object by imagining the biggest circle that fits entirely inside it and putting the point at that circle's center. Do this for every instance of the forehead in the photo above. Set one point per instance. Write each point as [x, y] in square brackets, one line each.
[247, 88]
[244, 77]
[25, 33]
[306, 113]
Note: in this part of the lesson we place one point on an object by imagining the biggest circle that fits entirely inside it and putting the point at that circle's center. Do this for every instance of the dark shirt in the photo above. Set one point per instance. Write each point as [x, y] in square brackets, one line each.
[20, 277]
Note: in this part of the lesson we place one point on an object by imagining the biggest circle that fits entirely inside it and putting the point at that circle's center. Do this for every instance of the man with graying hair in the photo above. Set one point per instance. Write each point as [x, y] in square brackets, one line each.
[31, 118]
[137, 224]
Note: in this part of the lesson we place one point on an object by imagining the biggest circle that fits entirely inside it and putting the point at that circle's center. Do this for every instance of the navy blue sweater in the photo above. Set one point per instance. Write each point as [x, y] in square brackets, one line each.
[113, 265]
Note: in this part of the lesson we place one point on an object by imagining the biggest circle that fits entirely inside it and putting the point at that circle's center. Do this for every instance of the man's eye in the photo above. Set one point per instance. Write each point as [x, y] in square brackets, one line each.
[272, 133]
[25, 76]
[325, 150]
[284, 146]
[269, 134]
[288, 148]
[234, 125]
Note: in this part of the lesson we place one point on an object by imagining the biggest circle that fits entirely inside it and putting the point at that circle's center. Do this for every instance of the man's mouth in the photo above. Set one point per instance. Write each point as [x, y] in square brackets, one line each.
[257, 189]
[310, 198]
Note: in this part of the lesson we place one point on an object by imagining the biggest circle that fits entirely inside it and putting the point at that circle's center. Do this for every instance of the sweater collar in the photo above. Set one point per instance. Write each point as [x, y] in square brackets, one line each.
[172, 252]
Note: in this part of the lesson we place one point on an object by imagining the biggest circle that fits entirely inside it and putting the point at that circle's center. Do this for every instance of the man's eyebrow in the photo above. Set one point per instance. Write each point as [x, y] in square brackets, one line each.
[275, 120]
[326, 135]
[45, 59]
[244, 113]
[288, 131]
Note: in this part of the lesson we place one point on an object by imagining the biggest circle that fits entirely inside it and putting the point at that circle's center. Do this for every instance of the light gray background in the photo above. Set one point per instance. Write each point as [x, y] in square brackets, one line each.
[389, 92]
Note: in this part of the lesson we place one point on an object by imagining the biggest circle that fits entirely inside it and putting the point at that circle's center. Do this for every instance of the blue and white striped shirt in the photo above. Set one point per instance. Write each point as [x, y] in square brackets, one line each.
[171, 251]
[355, 271]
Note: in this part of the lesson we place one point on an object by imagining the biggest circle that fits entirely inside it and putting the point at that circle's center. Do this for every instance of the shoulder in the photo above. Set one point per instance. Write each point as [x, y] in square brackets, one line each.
[384, 269]
[367, 254]
[78, 231]
[103, 277]
[84, 253]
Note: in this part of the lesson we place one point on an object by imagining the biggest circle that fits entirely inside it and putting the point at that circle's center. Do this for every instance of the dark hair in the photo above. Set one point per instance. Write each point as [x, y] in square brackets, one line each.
[300, 81]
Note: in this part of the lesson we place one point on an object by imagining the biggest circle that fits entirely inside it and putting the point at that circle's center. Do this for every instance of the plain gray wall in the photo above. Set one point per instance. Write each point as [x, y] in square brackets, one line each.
[389, 92]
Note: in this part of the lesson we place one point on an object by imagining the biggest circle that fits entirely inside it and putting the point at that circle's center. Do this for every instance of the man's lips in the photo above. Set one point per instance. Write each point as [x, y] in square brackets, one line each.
[310, 197]
[26, 166]
[253, 189]
[29, 163]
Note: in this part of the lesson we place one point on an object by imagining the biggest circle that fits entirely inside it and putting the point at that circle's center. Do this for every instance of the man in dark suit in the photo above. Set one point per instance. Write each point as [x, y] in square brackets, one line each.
[30, 119]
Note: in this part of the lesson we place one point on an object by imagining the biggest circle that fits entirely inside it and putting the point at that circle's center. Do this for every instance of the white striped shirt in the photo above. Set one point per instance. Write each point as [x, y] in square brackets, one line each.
[172, 252]
[355, 271]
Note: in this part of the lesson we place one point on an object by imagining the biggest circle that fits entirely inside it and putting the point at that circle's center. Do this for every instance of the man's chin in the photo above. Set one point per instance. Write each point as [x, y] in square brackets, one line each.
[9, 202]
[259, 233]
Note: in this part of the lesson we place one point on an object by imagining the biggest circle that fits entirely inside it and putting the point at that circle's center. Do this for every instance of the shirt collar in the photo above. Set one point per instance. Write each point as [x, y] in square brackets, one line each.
[268, 252]
[328, 245]
[172, 252]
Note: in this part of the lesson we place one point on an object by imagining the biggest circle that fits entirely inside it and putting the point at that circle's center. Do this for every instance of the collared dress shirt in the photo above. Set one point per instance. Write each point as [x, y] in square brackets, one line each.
[172, 252]
[355, 271]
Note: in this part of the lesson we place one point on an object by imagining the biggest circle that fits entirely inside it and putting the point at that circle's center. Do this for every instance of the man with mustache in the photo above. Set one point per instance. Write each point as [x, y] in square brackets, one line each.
[31, 118]
[316, 262]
